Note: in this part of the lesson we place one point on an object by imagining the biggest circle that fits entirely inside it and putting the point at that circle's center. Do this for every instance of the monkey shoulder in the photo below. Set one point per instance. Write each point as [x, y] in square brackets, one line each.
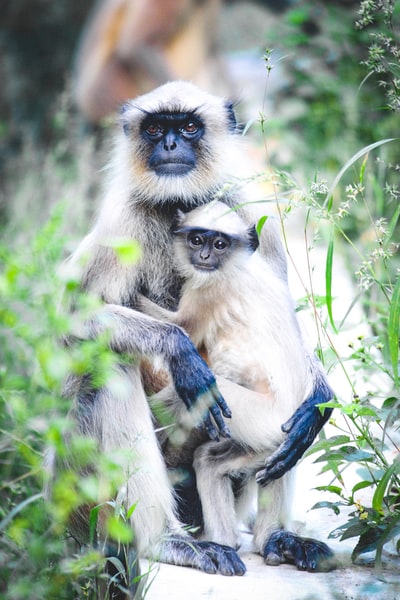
[108, 274]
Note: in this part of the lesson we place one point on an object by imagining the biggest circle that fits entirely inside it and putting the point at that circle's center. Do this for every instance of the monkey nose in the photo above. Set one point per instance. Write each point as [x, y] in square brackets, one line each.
[169, 142]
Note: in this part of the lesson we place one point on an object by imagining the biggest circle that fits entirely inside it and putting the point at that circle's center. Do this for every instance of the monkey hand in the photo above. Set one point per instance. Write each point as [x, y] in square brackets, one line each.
[301, 430]
[196, 386]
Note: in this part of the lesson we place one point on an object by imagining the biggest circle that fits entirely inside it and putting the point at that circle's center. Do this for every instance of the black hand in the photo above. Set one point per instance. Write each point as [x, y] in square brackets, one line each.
[302, 429]
[196, 385]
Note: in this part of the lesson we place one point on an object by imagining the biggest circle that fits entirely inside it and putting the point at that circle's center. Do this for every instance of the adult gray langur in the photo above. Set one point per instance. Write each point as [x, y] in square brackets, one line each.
[176, 148]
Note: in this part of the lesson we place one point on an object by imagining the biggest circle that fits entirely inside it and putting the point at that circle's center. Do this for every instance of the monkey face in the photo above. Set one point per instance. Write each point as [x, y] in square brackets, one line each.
[172, 140]
[176, 146]
[208, 250]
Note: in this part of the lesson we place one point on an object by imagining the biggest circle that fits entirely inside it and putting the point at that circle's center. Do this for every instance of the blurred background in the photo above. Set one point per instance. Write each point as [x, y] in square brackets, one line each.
[317, 86]
[66, 68]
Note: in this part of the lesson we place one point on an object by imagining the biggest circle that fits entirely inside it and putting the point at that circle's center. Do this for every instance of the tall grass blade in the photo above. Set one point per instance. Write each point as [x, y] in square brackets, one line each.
[379, 494]
[351, 162]
[393, 330]
[328, 279]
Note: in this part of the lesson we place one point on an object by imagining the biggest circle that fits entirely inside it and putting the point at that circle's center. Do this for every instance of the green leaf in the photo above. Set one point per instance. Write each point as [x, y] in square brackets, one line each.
[391, 402]
[93, 516]
[347, 453]
[368, 541]
[334, 489]
[131, 510]
[377, 500]
[361, 485]
[337, 440]
[393, 330]
[353, 528]
[352, 454]
[17, 509]
[128, 251]
[119, 530]
[332, 505]
[261, 224]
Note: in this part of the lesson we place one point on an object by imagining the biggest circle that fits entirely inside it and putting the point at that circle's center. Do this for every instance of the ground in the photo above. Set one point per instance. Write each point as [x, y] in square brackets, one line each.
[347, 582]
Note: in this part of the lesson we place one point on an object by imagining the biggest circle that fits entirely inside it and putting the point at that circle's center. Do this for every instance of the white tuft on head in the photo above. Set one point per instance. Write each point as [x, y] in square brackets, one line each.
[216, 216]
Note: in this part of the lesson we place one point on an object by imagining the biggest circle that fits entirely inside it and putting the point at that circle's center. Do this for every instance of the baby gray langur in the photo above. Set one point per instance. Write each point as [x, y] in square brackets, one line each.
[239, 314]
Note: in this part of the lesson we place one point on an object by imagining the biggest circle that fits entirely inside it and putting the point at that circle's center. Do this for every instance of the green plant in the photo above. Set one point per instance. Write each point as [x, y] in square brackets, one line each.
[358, 216]
[36, 560]
[369, 419]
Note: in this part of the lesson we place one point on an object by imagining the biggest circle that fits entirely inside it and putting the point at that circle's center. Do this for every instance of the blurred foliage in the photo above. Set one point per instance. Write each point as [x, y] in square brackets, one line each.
[37, 560]
[342, 90]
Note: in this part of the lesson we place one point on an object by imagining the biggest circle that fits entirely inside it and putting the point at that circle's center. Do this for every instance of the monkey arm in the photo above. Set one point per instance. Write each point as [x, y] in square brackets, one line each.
[137, 334]
[152, 309]
[301, 430]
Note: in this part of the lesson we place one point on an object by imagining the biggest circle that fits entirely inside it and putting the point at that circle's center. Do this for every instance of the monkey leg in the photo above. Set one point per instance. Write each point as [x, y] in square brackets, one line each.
[119, 417]
[278, 545]
[220, 467]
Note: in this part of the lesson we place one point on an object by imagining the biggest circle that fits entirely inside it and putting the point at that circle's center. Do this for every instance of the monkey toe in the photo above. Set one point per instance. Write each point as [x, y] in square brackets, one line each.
[305, 553]
[225, 558]
[208, 557]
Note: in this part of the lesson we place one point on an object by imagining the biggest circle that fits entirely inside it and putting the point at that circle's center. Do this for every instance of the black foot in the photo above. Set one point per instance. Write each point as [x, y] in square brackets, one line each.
[307, 554]
[205, 556]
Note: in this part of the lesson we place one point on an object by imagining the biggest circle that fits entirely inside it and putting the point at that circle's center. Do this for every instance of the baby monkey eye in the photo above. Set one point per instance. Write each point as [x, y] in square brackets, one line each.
[196, 240]
[220, 244]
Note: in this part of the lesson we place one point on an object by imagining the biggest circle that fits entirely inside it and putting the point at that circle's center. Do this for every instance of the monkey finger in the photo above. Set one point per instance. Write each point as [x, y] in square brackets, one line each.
[300, 415]
[287, 426]
[280, 462]
[219, 399]
[210, 428]
[286, 462]
[222, 426]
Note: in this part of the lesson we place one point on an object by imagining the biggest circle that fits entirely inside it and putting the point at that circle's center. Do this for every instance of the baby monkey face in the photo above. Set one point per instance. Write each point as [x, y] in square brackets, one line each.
[207, 249]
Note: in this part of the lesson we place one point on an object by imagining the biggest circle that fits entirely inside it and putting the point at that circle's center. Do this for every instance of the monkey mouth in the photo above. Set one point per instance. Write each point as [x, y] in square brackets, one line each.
[173, 168]
[204, 268]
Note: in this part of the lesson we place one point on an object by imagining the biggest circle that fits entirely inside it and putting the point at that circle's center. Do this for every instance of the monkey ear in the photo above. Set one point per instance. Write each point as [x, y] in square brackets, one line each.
[232, 123]
[254, 242]
[124, 118]
[177, 221]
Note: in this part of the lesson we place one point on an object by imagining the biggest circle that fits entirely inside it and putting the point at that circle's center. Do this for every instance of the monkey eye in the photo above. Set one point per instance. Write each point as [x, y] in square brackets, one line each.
[220, 244]
[196, 240]
[154, 129]
[190, 127]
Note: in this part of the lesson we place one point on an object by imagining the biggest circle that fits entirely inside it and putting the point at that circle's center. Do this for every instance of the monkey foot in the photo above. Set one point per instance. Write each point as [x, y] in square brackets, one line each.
[206, 556]
[307, 554]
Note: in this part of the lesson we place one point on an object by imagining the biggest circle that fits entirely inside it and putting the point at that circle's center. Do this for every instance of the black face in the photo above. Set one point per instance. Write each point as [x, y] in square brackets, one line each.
[173, 138]
[207, 249]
